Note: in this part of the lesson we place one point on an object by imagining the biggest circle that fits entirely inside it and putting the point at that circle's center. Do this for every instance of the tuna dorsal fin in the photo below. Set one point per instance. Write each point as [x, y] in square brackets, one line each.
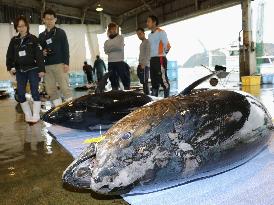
[102, 84]
[188, 89]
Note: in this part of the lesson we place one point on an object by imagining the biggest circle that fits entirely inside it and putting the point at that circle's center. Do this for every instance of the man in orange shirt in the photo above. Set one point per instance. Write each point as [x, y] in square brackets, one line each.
[159, 47]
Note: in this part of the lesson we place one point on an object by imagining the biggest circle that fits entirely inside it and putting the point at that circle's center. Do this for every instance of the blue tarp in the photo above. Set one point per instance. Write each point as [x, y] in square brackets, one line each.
[72, 140]
[249, 184]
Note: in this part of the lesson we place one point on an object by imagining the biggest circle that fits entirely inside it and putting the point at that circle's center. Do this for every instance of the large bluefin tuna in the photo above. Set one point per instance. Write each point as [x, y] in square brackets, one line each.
[174, 141]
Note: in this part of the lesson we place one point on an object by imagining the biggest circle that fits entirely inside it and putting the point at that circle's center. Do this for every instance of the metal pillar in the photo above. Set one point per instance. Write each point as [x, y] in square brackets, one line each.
[247, 50]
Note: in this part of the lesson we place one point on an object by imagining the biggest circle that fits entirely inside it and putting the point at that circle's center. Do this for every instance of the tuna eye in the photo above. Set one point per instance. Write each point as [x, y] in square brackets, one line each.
[126, 136]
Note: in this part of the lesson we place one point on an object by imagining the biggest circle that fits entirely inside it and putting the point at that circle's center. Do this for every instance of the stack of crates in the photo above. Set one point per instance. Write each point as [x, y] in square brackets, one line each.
[251, 80]
[252, 84]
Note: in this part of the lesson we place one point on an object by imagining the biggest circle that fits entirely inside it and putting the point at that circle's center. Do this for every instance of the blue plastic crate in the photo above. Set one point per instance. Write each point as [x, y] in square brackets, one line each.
[268, 79]
[5, 84]
[172, 70]
[77, 78]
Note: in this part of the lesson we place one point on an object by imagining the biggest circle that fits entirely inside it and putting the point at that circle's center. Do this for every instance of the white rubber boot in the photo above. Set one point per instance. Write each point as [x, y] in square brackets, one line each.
[36, 111]
[57, 102]
[27, 111]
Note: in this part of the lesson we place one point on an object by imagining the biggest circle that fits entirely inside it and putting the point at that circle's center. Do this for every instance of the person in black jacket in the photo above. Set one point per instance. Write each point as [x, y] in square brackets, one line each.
[25, 60]
[56, 52]
[88, 70]
[100, 68]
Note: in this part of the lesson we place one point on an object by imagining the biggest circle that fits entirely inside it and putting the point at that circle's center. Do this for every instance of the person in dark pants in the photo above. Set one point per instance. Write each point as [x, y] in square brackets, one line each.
[114, 48]
[88, 71]
[99, 68]
[25, 60]
[159, 47]
[144, 57]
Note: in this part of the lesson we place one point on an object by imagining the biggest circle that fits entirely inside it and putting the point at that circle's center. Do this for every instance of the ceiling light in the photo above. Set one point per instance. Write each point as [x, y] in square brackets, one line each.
[99, 8]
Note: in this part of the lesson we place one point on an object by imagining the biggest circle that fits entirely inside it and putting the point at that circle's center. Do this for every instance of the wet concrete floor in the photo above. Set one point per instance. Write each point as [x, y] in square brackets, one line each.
[32, 163]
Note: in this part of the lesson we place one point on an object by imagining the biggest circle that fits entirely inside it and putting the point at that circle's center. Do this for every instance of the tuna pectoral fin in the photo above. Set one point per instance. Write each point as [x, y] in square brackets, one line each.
[146, 179]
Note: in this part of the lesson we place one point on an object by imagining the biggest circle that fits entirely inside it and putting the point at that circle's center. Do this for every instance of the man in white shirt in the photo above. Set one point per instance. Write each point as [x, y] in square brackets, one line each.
[114, 48]
[144, 58]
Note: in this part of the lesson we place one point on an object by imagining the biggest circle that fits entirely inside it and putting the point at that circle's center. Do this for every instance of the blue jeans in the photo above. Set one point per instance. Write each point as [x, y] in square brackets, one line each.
[22, 79]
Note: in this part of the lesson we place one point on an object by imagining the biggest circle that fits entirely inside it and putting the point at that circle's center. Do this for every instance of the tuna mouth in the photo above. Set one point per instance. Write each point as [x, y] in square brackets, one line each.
[78, 174]
[56, 114]
[116, 191]
[52, 116]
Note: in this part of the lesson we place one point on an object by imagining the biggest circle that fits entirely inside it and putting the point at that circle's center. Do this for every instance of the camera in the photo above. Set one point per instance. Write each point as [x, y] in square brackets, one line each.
[50, 52]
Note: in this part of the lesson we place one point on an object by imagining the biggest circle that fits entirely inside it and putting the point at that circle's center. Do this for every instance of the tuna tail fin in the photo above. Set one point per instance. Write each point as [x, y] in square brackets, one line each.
[102, 84]
[188, 89]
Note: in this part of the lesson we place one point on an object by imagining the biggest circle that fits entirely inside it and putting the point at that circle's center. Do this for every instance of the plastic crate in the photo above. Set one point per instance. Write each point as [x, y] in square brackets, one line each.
[251, 80]
[253, 90]
[268, 79]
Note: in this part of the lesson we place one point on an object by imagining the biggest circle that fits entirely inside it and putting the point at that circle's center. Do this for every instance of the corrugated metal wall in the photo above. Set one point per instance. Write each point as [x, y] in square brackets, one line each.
[8, 14]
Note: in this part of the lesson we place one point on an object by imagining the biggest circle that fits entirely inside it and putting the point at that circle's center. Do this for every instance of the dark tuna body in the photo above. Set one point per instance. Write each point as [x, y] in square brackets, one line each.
[90, 112]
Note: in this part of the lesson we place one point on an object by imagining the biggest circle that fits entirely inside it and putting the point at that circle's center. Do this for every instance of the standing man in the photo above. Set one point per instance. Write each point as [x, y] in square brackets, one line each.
[100, 68]
[56, 52]
[159, 47]
[88, 71]
[144, 58]
[114, 48]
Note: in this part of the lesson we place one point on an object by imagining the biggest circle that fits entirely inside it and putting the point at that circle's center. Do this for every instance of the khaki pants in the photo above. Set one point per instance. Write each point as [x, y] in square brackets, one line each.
[55, 74]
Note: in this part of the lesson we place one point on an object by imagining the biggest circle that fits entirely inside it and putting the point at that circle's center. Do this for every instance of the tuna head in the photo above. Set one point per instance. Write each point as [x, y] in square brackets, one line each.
[69, 111]
[78, 173]
[131, 150]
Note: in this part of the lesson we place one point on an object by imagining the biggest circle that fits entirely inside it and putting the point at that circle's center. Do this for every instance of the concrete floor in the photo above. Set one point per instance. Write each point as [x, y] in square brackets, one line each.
[31, 163]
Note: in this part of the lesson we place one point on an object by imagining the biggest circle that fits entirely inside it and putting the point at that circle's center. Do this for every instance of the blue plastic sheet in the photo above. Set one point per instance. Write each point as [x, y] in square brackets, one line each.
[72, 140]
[249, 184]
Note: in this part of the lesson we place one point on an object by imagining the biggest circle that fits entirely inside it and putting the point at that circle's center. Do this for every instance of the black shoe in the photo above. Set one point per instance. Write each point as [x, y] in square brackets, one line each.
[166, 93]
[146, 89]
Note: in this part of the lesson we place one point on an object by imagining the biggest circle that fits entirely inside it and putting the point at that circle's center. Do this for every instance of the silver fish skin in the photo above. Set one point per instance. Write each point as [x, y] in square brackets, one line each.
[175, 141]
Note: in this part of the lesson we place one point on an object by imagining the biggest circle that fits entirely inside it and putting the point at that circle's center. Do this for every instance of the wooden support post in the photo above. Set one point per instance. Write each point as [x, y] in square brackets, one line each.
[247, 51]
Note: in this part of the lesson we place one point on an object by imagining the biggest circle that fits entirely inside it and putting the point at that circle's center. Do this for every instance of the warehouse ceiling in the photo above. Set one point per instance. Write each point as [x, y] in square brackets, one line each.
[129, 14]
